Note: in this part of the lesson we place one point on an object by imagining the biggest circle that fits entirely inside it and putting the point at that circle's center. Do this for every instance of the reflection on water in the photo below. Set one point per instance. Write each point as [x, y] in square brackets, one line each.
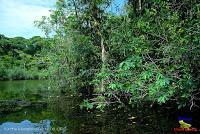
[62, 114]
[23, 89]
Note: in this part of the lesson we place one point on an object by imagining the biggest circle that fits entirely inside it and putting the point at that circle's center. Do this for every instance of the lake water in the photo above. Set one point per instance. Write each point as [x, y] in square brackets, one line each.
[29, 107]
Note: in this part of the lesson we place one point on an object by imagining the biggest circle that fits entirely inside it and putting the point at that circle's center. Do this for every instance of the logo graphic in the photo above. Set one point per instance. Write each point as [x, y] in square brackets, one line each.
[185, 122]
[185, 125]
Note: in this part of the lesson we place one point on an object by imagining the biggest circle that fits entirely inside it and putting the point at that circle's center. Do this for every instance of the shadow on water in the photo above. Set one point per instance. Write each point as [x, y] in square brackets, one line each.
[111, 121]
[28, 107]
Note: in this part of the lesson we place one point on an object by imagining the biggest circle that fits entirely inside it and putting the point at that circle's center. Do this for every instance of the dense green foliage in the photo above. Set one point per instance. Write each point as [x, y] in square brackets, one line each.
[22, 58]
[149, 53]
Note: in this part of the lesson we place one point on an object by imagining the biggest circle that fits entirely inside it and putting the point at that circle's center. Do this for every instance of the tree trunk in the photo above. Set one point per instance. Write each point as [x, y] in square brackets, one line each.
[140, 5]
[103, 58]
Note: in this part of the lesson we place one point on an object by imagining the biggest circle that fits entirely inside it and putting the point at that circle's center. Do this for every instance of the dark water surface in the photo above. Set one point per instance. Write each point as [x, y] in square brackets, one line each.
[32, 107]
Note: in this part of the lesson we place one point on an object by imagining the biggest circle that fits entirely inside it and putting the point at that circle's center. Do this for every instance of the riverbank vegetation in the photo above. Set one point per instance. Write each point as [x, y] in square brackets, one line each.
[24, 58]
[146, 53]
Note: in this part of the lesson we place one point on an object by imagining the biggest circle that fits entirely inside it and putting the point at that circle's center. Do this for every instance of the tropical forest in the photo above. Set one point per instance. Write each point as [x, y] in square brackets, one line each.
[104, 67]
